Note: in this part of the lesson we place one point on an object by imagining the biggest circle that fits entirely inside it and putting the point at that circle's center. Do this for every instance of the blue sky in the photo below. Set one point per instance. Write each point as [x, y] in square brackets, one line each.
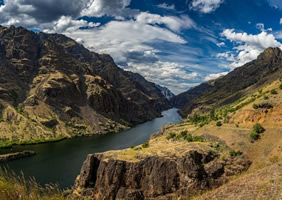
[175, 43]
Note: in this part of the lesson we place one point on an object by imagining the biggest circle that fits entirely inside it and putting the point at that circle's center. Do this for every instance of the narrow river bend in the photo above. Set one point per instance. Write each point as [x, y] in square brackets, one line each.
[60, 162]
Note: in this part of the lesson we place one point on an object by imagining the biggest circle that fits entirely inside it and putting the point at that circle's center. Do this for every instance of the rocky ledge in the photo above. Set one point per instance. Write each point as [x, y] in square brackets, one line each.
[162, 169]
[16, 156]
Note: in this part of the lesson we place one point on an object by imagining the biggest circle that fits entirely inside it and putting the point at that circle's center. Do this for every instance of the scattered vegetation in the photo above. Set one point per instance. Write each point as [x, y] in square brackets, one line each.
[14, 96]
[199, 119]
[273, 91]
[263, 104]
[171, 136]
[257, 131]
[145, 145]
[19, 109]
[9, 143]
[235, 153]
[280, 86]
[184, 135]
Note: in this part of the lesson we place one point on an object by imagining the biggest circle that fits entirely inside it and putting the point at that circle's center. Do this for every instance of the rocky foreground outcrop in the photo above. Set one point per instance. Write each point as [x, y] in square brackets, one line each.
[16, 156]
[179, 171]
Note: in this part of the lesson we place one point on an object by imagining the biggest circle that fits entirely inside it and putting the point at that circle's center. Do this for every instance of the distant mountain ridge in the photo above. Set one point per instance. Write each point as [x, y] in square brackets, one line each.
[53, 87]
[227, 89]
[165, 91]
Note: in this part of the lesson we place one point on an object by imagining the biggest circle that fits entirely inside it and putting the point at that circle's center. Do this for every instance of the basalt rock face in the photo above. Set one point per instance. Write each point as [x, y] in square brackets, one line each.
[154, 177]
[51, 78]
[227, 89]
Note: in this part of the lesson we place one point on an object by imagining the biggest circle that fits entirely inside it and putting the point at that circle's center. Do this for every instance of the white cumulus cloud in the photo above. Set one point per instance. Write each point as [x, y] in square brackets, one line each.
[247, 46]
[172, 75]
[117, 8]
[166, 6]
[214, 76]
[119, 37]
[67, 24]
[205, 6]
[172, 22]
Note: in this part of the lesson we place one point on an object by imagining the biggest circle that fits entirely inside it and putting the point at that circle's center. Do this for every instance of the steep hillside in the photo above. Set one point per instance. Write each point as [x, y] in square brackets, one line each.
[212, 155]
[52, 87]
[266, 68]
[187, 97]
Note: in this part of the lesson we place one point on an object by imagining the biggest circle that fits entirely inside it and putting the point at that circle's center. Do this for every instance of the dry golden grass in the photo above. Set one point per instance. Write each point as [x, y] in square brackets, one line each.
[264, 184]
[13, 187]
[161, 147]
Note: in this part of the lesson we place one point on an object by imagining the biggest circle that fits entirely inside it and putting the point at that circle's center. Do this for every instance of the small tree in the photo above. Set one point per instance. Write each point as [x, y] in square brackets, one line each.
[254, 135]
[219, 123]
[258, 128]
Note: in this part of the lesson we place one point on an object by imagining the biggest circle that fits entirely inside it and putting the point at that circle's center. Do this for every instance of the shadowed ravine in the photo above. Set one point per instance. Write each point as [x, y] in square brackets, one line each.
[60, 162]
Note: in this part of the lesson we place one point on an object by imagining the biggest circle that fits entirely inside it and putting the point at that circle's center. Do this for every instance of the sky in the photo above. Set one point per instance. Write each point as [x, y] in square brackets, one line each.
[174, 43]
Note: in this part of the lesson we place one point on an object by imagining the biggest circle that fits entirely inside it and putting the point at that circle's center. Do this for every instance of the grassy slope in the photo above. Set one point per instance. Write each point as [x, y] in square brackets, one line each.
[263, 180]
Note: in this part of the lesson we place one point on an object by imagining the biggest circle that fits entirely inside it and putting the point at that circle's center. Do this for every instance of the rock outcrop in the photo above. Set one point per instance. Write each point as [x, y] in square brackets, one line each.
[16, 156]
[183, 171]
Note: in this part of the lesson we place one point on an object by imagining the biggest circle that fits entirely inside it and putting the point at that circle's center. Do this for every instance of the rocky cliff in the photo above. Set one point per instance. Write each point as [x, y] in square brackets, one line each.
[227, 89]
[53, 87]
[162, 169]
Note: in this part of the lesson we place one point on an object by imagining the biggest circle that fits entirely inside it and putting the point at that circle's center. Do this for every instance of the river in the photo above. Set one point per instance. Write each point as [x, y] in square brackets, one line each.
[60, 162]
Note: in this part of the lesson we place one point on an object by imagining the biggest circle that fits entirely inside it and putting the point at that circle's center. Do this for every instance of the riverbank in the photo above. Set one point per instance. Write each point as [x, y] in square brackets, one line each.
[10, 144]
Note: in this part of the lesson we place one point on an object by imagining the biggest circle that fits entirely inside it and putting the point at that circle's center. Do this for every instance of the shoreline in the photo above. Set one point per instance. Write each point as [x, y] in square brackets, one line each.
[11, 144]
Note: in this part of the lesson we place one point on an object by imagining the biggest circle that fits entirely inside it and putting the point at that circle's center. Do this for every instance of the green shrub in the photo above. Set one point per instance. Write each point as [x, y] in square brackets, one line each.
[189, 138]
[183, 133]
[20, 109]
[212, 114]
[265, 97]
[255, 106]
[273, 91]
[198, 139]
[254, 135]
[14, 96]
[145, 145]
[235, 153]
[258, 128]
[171, 136]
[132, 146]
[280, 86]
[219, 123]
